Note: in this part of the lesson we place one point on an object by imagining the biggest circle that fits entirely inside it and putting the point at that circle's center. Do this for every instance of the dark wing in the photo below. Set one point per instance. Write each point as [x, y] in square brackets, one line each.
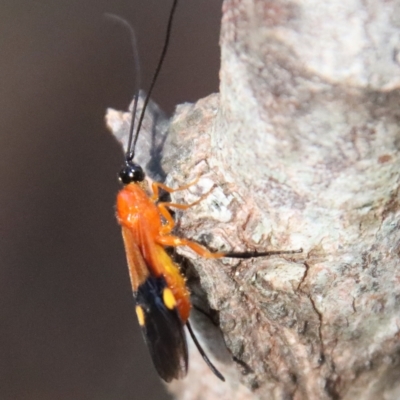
[162, 329]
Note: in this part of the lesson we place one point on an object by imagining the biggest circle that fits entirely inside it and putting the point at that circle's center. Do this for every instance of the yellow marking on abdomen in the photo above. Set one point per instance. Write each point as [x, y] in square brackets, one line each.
[140, 315]
[169, 299]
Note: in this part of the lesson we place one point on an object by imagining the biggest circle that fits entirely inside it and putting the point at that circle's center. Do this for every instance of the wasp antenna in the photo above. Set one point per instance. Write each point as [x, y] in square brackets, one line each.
[203, 354]
[155, 76]
[129, 27]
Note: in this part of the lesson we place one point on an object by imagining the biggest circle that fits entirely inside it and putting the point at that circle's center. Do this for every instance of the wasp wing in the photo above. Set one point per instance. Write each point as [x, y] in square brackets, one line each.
[138, 270]
[162, 330]
[161, 324]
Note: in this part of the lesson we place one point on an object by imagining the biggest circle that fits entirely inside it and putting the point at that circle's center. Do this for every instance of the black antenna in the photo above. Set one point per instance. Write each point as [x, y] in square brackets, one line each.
[203, 354]
[131, 149]
[135, 52]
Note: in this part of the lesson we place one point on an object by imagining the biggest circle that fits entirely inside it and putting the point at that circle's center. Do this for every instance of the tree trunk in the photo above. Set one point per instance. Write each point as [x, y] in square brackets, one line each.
[301, 148]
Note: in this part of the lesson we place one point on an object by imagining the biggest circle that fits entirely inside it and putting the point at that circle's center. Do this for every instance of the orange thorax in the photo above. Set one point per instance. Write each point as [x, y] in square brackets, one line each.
[137, 213]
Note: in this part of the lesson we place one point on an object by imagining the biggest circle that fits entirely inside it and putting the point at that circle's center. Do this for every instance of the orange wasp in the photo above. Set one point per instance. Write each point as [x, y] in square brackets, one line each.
[162, 298]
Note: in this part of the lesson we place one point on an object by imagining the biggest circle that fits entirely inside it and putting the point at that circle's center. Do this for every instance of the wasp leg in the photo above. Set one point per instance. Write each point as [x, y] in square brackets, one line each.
[155, 186]
[254, 254]
[170, 223]
[174, 241]
[200, 250]
[162, 208]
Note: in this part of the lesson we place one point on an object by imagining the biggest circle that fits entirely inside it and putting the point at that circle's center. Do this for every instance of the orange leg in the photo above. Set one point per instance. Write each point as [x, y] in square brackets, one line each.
[174, 241]
[168, 240]
[155, 186]
[162, 207]
[170, 223]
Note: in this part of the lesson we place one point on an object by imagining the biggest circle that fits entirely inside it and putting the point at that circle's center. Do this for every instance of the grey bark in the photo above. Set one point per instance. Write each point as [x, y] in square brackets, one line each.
[301, 148]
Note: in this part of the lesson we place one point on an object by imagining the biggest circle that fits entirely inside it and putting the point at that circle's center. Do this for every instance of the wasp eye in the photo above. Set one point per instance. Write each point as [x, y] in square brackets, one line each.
[131, 172]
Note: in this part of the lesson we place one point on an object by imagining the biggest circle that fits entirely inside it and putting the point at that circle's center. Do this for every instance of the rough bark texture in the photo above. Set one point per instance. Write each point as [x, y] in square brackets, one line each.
[302, 149]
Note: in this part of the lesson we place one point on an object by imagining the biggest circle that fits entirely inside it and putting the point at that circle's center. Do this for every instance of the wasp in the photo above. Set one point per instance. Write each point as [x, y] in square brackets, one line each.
[162, 298]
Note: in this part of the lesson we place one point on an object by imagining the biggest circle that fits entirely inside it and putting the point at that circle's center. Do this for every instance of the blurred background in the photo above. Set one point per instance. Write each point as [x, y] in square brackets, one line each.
[68, 328]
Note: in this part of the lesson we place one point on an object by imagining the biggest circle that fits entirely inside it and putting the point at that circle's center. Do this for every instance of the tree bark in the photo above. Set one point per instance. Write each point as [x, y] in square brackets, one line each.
[301, 149]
